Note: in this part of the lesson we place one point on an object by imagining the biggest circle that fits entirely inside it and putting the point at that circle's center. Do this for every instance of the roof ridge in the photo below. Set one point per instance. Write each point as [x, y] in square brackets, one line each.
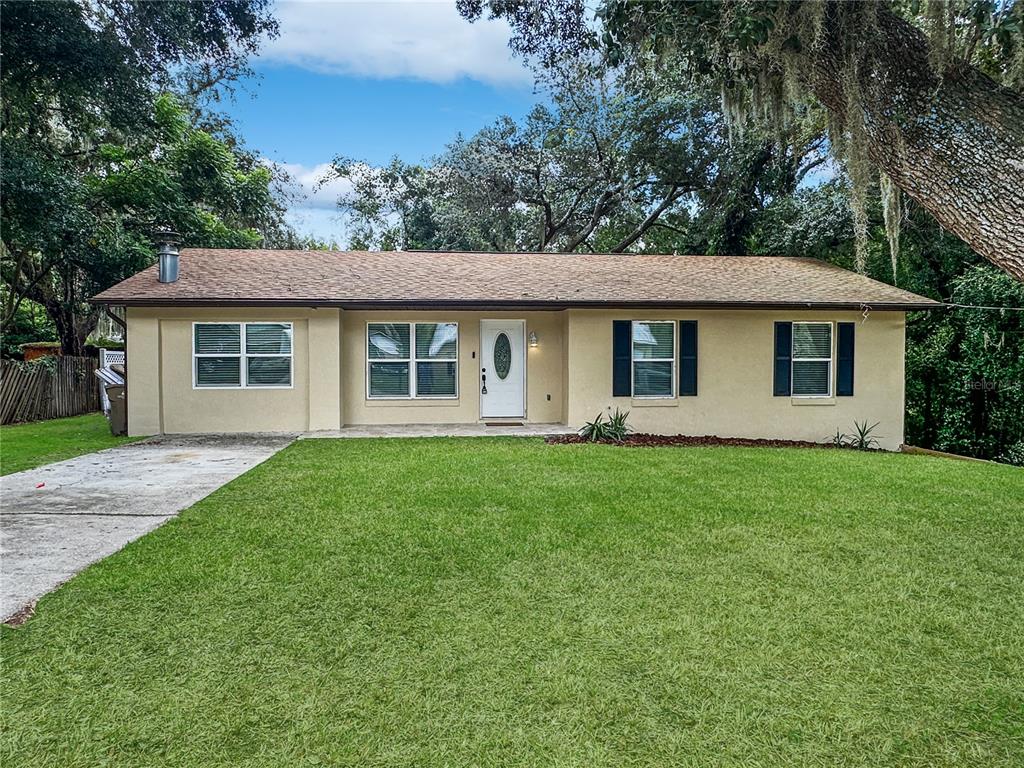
[561, 254]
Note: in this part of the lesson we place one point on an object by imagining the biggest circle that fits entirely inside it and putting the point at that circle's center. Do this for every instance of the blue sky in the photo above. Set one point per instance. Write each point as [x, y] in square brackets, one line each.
[370, 81]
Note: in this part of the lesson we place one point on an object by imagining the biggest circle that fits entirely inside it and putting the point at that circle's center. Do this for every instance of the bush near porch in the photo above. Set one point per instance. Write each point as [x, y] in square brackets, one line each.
[504, 602]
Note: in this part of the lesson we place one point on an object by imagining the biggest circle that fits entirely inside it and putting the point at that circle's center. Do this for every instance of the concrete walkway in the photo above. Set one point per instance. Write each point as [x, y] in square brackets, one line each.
[446, 430]
[57, 519]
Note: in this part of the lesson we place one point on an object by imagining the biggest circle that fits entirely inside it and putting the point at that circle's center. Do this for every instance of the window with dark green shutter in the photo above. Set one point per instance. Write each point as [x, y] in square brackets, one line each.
[844, 360]
[687, 358]
[783, 359]
[622, 361]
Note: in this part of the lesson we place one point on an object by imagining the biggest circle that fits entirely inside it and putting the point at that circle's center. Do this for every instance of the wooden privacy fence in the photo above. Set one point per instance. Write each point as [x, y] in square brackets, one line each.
[60, 386]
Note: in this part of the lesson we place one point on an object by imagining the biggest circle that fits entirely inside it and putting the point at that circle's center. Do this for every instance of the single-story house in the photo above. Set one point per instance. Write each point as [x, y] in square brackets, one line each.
[275, 340]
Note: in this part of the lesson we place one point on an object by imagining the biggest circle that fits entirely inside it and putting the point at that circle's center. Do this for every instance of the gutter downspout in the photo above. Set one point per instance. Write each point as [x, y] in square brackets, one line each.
[117, 320]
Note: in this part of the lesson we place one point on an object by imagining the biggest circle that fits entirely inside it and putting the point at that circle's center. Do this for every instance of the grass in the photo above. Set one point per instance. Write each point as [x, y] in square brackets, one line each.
[24, 446]
[500, 602]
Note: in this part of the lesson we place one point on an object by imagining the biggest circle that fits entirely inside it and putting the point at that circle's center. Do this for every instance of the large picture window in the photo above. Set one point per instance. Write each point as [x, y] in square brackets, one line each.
[241, 355]
[812, 359]
[412, 360]
[654, 360]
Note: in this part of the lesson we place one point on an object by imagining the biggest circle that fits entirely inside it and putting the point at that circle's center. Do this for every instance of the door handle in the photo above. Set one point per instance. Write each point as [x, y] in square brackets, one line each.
[483, 380]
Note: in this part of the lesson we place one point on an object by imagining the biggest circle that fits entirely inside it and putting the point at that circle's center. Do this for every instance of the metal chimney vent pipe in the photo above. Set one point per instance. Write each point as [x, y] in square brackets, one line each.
[167, 251]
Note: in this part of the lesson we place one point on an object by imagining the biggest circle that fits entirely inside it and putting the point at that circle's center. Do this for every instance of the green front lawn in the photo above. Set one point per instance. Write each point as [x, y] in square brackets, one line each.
[445, 602]
[24, 446]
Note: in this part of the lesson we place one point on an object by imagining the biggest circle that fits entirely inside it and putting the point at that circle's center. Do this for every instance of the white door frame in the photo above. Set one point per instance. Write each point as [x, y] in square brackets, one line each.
[479, 383]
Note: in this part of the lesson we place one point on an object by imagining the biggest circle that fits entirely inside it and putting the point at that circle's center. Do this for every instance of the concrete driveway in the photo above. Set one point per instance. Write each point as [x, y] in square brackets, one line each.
[56, 520]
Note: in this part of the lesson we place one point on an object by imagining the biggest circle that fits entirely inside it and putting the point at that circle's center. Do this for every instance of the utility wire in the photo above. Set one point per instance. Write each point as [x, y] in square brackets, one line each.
[951, 305]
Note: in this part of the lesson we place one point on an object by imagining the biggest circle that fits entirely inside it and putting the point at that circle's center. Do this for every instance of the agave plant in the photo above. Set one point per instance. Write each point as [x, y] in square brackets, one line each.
[839, 439]
[863, 438]
[618, 428]
[615, 429]
[594, 431]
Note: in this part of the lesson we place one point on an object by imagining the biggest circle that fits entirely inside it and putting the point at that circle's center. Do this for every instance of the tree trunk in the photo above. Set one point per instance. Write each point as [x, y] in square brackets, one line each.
[72, 330]
[953, 143]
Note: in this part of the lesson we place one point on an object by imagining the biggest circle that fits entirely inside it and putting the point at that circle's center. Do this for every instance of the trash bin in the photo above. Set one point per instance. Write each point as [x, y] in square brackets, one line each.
[115, 403]
[118, 410]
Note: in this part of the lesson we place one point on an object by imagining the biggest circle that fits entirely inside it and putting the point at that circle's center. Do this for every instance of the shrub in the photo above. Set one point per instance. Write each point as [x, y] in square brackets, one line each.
[862, 439]
[1013, 455]
[614, 430]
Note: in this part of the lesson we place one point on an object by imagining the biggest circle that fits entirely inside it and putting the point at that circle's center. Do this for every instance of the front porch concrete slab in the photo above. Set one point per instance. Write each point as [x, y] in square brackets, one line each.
[445, 430]
[57, 519]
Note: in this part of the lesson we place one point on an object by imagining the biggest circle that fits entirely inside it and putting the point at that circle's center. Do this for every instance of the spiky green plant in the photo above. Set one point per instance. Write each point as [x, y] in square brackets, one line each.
[863, 437]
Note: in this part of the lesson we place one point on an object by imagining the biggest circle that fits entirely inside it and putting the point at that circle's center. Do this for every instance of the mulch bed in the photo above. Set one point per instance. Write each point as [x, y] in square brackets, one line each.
[644, 440]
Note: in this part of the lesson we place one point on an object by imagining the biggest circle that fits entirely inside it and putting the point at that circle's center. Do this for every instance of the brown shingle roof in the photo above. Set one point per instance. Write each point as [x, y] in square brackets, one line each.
[419, 278]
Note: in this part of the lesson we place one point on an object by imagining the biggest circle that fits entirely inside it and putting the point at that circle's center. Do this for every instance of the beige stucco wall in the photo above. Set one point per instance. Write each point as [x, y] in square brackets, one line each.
[544, 374]
[734, 377]
[329, 374]
[160, 393]
[568, 375]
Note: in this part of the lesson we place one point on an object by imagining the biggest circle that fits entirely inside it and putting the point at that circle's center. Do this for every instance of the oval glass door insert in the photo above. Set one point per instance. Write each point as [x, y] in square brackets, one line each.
[502, 355]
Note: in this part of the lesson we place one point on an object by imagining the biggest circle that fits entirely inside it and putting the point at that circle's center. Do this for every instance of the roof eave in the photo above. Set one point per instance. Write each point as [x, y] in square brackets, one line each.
[546, 304]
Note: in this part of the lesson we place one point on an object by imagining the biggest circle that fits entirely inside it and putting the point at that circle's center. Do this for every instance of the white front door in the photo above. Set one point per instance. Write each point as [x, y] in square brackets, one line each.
[502, 369]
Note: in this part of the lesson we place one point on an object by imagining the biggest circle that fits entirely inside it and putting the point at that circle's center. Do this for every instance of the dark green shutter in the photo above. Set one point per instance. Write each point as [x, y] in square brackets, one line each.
[687, 358]
[783, 359]
[622, 358]
[844, 357]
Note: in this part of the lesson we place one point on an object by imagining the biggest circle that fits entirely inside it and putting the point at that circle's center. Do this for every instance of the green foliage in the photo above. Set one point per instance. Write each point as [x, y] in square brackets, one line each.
[594, 431]
[1013, 455]
[618, 426]
[103, 342]
[609, 165]
[175, 174]
[965, 389]
[97, 152]
[72, 67]
[869, 72]
[614, 430]
[863, 437]
[45, 362]
[28, 323]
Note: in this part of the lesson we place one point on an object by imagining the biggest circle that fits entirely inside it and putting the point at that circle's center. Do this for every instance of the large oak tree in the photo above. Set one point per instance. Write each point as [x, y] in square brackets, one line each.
[929, 94]
[94, 156]
[598, 167]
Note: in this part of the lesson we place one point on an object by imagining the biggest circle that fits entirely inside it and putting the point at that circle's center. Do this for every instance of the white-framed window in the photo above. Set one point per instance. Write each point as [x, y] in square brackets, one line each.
[812, 360]
[412, 360]
[654, 358]
[242, 355]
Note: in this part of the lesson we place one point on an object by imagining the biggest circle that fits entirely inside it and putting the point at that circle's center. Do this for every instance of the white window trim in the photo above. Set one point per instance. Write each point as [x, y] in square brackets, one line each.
[412, 360]
[633, 360]
[242, 355]
[830, 360]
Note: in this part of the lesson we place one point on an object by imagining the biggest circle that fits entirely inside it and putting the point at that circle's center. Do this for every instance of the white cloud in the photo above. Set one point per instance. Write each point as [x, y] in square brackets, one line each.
[421, 39]
[313, 207]
[309, 182]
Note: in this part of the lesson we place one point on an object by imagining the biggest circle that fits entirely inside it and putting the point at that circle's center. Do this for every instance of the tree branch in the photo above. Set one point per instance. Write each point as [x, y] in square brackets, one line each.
[647, 223]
